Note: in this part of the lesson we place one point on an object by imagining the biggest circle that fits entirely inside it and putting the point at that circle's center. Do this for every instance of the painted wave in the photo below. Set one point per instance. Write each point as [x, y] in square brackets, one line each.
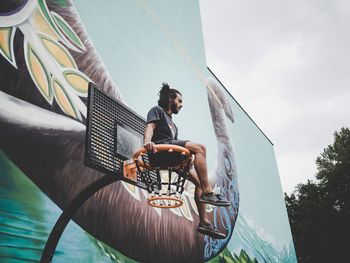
[26, 219]
[259, 244]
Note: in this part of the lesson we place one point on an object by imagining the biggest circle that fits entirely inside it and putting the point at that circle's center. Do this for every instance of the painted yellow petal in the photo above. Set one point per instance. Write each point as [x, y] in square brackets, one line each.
[78, 80]
[131, 188]
[39, 73]
[5, 33]
[59, 52]
[42, 25]
[46, 14]
[176, 211]
[63, 100]
[6, 43]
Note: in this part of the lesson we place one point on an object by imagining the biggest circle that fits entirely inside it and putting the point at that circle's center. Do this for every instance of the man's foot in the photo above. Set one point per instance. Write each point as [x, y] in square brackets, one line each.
[214, 199]
[209, 230]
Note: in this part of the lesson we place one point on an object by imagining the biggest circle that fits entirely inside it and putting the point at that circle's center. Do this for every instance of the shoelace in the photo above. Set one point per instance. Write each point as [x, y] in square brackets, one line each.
[219, 196]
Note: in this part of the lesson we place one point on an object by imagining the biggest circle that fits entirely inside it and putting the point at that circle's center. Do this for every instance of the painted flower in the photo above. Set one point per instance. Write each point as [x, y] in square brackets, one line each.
[50, 64]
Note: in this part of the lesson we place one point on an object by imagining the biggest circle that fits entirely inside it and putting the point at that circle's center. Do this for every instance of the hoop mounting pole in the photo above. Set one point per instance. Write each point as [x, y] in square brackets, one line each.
[69, 212]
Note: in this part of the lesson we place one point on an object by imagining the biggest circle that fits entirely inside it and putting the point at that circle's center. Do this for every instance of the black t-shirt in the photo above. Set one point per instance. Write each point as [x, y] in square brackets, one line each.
[165, 129]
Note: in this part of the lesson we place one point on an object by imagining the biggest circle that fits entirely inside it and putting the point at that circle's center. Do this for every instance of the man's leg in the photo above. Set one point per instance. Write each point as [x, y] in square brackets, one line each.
[204, 227]
[200, 164]
[193, 177]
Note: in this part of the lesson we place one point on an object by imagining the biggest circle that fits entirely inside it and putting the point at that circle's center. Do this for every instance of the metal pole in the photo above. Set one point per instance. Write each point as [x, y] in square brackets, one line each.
[69, 212]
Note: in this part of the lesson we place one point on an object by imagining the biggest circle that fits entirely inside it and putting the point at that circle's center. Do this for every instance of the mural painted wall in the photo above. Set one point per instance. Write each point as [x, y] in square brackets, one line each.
[50, 51]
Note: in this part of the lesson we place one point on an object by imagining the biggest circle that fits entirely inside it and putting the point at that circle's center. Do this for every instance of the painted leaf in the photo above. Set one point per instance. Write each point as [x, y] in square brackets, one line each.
[38, 73]
[6, 44]
[59, 52]
[185, 209]
[42, 24]
[133, 190]
[64, 101]
[191, 190]
[176, 211]
[47, 15]
[78, 80]
[45, 11]
[68, 30]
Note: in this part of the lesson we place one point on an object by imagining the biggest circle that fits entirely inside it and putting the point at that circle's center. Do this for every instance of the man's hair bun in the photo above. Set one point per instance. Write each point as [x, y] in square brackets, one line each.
[165, 88]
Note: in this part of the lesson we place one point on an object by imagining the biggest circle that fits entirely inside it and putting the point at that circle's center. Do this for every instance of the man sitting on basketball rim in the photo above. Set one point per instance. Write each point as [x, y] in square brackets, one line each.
[160, 129]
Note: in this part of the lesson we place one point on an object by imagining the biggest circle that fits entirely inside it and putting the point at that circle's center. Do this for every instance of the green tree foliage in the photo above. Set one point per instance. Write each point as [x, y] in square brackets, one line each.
[319, 210]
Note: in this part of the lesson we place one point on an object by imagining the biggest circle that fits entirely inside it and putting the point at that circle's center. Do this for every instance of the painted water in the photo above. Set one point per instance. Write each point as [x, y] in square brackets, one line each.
[26, 219]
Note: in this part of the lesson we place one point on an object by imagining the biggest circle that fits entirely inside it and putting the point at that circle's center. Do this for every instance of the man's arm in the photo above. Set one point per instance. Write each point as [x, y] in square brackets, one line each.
[148, 144]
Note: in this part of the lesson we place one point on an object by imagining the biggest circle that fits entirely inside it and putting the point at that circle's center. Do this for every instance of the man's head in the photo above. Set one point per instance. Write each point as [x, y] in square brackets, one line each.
[170, 99]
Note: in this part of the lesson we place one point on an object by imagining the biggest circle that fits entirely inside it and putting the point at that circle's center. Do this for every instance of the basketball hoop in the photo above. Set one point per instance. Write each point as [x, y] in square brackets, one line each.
[170, 163]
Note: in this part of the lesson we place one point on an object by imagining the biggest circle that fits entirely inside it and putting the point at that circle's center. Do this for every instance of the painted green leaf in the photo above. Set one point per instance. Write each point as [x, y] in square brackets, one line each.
[47, 15]
[38, 73]
[68, 30]
[44, 9]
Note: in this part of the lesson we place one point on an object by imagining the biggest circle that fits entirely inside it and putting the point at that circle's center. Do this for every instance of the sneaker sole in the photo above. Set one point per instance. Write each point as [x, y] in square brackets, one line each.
[214, 203]
[210, 233]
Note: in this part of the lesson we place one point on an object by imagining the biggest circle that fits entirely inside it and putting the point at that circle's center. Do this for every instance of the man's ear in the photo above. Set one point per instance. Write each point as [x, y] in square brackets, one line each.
[171, 101]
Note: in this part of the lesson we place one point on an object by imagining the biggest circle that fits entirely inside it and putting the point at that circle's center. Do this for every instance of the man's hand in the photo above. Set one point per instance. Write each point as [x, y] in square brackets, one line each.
[150, 147]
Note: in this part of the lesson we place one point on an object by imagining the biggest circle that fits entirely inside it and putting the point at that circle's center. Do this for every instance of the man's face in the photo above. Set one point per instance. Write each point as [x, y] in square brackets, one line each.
[176, 105]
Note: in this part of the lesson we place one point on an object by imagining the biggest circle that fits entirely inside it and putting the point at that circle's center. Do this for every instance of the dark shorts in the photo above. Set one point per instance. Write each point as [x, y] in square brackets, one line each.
[173, 142]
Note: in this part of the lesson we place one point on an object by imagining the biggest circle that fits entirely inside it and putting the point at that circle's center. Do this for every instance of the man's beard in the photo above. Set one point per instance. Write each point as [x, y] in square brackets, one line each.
[174, 108]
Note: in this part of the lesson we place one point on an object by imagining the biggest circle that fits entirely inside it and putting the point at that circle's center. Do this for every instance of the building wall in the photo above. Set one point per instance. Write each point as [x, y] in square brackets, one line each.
[128, 48]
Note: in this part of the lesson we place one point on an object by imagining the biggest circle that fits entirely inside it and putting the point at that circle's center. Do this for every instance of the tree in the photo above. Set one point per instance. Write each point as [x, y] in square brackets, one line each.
[319, 211]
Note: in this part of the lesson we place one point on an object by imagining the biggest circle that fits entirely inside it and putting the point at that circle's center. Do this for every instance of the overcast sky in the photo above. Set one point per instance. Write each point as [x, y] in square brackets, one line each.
[288, 64]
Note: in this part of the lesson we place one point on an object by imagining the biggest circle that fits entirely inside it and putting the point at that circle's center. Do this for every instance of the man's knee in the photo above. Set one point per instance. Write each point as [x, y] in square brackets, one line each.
[196, 147]
[203, 149]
